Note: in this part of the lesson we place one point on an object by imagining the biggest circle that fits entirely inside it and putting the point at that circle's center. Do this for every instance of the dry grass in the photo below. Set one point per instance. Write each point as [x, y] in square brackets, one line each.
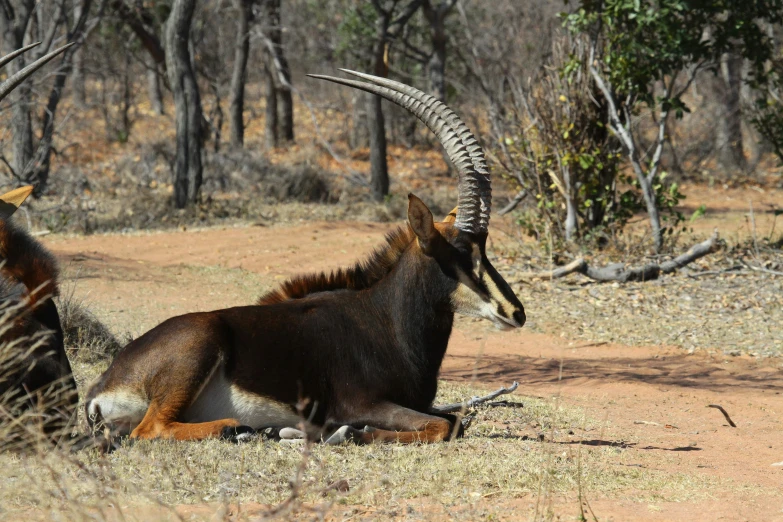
[501, 458]
[531, 454]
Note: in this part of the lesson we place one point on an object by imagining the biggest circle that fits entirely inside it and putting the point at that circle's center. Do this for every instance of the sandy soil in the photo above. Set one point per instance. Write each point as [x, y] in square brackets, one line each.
[653, 401]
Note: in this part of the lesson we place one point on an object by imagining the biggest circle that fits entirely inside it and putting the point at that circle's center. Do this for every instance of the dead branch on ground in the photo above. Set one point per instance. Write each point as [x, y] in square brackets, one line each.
[477, 401]
[725, 414]
[760, 268]
[736, 269]
[619, 272]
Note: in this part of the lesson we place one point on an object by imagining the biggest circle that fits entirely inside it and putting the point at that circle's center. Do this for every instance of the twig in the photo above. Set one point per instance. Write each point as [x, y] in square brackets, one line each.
[474, 401]
[735, 268]
[753, 224]
[761, 268]
[618, 272]
[513, 203]
[725, 414]
[27, 217]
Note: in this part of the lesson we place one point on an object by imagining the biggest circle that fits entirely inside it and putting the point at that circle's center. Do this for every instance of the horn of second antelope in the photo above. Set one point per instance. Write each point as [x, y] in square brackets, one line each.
[11, 201]
[11, 83]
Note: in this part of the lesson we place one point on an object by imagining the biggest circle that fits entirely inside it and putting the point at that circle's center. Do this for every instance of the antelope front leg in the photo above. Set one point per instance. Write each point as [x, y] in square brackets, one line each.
[387, 422]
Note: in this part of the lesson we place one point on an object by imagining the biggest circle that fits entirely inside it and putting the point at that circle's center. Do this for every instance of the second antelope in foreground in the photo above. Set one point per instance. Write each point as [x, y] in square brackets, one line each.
[360, 348]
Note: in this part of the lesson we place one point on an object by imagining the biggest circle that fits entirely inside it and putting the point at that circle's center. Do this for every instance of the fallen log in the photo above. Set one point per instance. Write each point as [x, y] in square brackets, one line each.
[619, 272]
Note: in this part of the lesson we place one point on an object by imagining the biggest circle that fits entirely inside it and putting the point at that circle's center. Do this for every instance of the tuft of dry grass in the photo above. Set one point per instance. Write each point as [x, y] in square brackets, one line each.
[86, 338]
[34, 418]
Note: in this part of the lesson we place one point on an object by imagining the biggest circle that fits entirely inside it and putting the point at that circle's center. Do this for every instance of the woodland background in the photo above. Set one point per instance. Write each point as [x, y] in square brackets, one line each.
[591, 111]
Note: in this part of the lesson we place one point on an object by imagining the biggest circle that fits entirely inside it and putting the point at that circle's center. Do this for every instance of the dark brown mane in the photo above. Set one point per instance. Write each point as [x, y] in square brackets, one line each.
[26, 261]
[362, 275]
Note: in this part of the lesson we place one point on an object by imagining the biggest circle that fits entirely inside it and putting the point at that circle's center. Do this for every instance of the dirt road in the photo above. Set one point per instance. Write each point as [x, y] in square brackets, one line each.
[652, 402]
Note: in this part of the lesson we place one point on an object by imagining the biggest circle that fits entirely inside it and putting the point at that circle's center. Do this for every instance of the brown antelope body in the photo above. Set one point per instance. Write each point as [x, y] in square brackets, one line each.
[361, 348]
[28, 281]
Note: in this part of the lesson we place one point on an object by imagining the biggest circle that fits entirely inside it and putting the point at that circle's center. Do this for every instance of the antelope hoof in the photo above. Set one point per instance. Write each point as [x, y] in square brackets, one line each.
[344, 434]
[238, 434]
[271, 433]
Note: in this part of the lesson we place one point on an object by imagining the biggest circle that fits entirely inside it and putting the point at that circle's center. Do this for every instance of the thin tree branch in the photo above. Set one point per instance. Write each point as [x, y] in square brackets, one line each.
[516, 200]
[761, 268]
[661, 141]
[137, 24]
[474, 401]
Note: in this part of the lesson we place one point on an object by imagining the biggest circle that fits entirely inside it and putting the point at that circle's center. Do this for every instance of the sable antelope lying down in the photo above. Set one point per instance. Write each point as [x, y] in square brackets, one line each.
[28, 280]
[362, 346]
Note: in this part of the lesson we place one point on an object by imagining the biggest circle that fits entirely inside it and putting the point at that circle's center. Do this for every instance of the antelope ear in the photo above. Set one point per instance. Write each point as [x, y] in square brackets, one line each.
[10, 201]
[452, 217]
[420, 219]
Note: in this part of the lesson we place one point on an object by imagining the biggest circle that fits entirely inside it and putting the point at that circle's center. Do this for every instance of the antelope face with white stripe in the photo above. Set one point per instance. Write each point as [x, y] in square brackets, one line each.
[475, 288]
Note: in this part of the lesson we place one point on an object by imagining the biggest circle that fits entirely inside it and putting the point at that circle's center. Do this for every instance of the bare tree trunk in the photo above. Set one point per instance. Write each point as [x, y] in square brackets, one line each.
[379, 168]
[187, 104]
[270, 131]
[236, 108]
[77, 75]
[41, 162]
[77, 80]
[646, 184]
[40, 169]
[436, 16]
[359, 131]
[571, 222]
[387, 28]
[287, 112]
[283, 72]
[14, 21]
[728, 131]
[622, 129]
[22, 141]
[153, 85]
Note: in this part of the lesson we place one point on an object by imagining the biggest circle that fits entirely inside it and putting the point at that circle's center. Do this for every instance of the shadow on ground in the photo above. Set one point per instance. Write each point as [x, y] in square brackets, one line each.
[679, 370]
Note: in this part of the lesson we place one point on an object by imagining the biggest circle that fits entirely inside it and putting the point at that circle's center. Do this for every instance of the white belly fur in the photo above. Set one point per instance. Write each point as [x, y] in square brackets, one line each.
[222, 400]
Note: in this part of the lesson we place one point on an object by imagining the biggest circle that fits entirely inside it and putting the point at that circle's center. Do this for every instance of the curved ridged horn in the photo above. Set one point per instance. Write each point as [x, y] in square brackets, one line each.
[10, 83]
[464, 151]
